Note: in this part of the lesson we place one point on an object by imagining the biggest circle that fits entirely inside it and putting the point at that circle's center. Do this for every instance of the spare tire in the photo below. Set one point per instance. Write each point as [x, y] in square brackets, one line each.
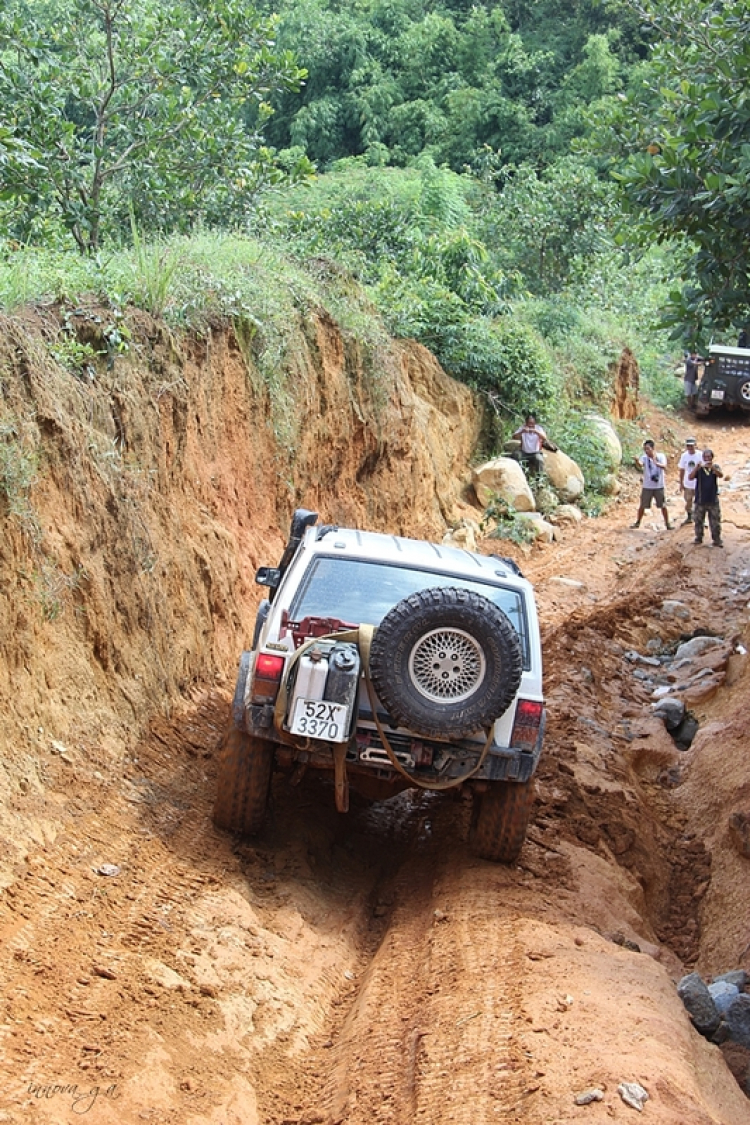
[445, 661]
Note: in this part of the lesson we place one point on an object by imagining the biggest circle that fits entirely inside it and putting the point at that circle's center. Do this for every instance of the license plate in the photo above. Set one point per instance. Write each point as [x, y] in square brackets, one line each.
[316, 718]
[719, 395]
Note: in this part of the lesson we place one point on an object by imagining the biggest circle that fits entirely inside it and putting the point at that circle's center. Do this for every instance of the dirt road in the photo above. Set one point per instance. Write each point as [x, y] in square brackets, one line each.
[366, 969]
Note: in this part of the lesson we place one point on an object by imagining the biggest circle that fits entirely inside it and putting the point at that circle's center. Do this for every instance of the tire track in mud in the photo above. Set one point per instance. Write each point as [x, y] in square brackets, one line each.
[430, 1031]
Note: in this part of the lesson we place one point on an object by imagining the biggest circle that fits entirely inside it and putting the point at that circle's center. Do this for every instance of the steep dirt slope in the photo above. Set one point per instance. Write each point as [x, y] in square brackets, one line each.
[352, 969]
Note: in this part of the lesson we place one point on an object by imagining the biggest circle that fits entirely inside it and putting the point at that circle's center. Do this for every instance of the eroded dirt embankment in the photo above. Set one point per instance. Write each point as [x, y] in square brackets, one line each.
[158, 485]
[353, 969]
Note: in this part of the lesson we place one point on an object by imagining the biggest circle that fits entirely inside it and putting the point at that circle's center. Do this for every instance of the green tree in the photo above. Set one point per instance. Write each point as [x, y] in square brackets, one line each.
[157, 108]
[685, 128]
[542, 223]
[397, 78]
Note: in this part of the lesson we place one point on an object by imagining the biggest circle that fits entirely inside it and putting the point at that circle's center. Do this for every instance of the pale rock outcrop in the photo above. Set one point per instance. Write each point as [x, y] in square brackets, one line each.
[564, 475]
[505, 478]
[610, 485]
[464, 535]
[612, 444]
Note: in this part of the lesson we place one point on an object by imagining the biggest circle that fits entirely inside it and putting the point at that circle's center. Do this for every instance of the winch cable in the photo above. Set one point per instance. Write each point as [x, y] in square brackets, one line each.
[366, 633]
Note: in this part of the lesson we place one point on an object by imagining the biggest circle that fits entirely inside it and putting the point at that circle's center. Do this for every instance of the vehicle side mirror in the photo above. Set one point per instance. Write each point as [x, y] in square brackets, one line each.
[268, 576]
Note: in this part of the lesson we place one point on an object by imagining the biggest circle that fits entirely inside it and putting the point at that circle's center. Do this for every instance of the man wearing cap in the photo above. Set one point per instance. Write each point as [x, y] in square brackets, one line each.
[691, 457]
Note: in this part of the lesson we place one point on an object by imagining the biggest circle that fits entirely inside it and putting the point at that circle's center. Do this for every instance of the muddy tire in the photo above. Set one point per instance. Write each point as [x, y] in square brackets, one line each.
[500, 819]
[243, 784]
[445, 661]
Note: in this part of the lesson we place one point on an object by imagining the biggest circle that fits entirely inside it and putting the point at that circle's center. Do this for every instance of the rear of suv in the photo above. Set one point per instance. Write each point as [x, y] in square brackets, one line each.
[725, 381]
[387, 663]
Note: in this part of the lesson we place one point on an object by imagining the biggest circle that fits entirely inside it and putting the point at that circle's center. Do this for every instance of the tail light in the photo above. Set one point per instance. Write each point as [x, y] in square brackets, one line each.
[526, 724]
[266, 677]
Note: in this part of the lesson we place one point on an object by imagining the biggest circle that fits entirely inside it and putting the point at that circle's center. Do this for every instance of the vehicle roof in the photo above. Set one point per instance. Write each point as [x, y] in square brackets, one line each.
[375, 546]
[720, 349]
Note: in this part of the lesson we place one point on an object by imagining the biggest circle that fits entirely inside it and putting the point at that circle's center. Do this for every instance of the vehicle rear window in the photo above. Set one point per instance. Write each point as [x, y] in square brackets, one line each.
[732, 364]
[362, 592]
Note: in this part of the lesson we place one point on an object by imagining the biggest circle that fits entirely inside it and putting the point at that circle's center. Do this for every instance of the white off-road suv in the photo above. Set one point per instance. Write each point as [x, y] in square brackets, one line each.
[387, 664]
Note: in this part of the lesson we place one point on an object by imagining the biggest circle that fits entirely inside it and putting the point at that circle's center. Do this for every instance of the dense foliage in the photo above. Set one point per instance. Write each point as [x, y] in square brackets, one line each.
[684, 127]
[393, 79]
[424, 243]
[473, 160]
[113, 108]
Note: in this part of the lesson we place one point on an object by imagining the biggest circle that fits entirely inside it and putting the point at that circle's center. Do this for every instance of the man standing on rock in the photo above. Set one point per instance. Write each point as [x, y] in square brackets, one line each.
[690, 458]
[706, 477]
[653, 488]
[533, 440]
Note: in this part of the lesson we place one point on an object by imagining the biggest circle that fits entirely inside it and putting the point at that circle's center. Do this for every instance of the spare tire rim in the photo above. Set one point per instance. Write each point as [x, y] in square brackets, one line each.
[447, 665]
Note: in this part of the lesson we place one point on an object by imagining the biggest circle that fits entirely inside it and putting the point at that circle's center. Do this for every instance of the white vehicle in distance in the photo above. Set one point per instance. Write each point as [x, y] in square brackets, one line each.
[388, 664]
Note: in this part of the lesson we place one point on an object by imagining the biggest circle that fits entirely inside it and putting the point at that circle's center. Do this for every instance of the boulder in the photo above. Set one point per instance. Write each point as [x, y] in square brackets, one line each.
[538, 524]
[736, 977]
[610, 485]
[505, 478]
[723, 994]
[573, 583]
[684, 734]
[564, 475]
[699, 1002]
[738, 1019]
[612, 446]
[697, 646]
[566, 513]
[670, 711]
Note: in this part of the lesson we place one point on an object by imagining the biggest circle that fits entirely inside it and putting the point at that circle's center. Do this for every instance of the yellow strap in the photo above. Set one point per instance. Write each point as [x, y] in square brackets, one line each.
[279, 710]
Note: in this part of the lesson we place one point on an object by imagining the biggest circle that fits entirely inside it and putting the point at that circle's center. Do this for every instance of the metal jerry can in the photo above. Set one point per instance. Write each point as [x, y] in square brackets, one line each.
[342, 684]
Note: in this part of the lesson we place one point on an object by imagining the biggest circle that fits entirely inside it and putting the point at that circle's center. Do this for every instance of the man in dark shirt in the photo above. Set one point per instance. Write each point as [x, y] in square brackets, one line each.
[706, 477]
[690, 383]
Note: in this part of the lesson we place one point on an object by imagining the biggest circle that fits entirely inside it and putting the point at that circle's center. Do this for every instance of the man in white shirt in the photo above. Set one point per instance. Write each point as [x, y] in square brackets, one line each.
[533, 440]
[653, 488]
[691, 457]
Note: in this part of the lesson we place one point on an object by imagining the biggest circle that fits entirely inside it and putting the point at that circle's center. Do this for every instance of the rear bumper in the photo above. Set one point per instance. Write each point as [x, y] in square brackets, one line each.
[427, 760]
